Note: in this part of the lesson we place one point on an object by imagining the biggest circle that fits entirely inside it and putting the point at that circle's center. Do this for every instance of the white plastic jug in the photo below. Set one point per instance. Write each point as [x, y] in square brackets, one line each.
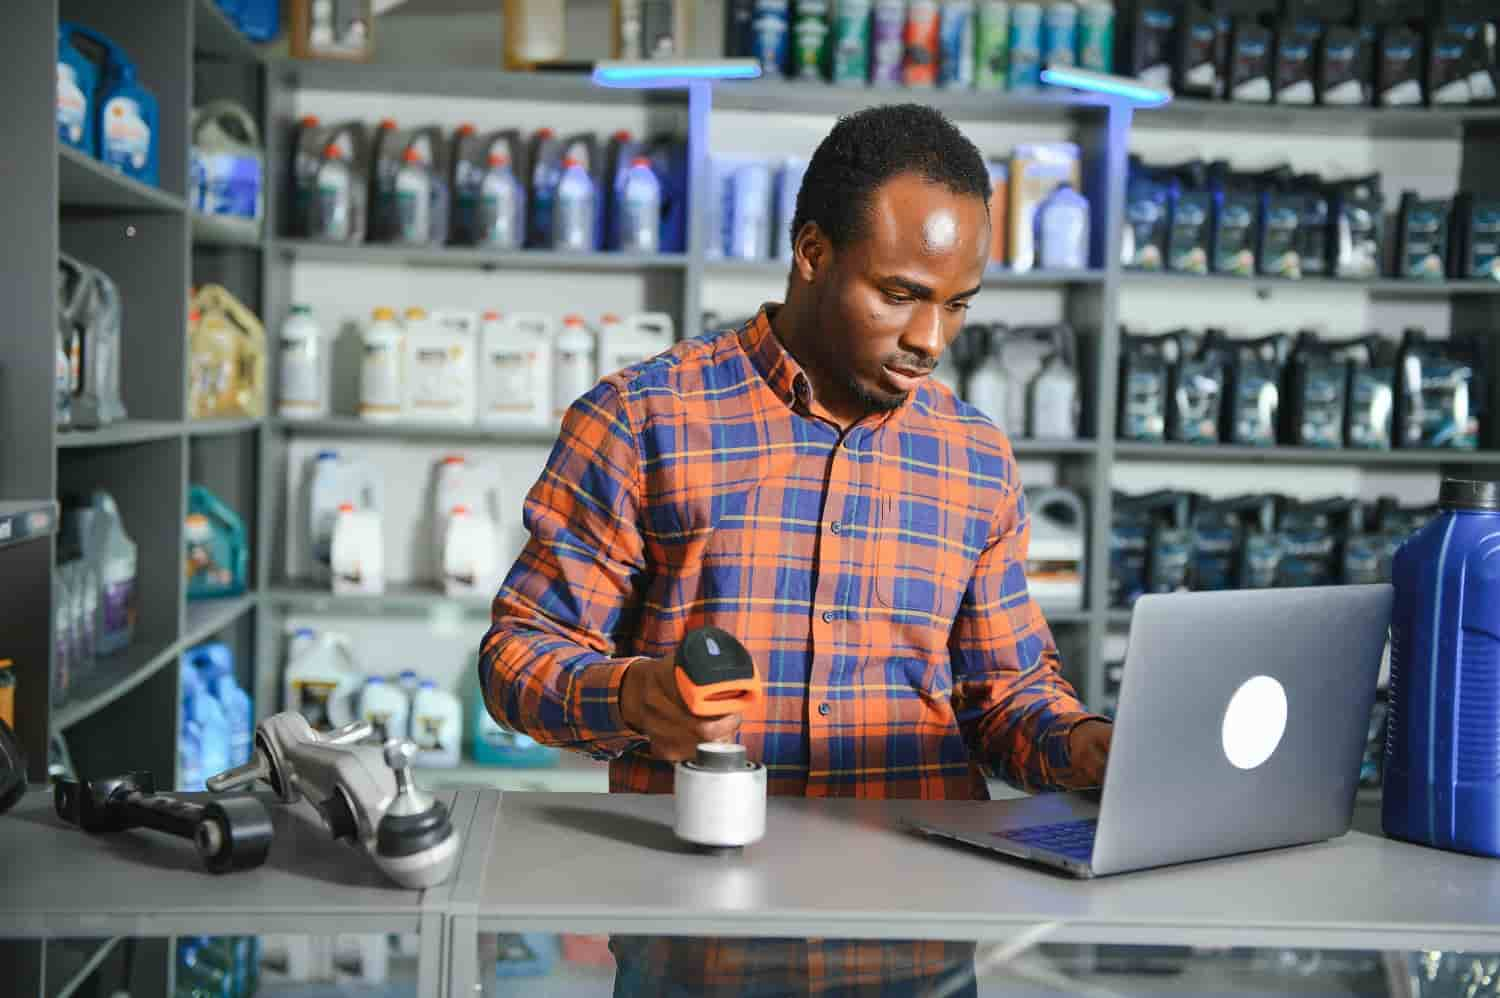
[440, 367]
[381, 382]
[1054, 565]
[470, 553]
[437, 723]
[515, 381]
[574, 371]
[627, 341]
[385, 706]
[320, 681]
[304, 367]
[988, 389]
[459, 482]
[335, 480]
[358, 553]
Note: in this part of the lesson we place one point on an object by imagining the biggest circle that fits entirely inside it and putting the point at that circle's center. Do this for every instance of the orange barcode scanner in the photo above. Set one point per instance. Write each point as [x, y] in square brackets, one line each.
[715, 674]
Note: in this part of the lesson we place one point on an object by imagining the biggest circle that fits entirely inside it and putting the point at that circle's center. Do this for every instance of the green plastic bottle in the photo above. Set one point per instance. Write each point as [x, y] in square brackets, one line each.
[850, 51]
[991, 44]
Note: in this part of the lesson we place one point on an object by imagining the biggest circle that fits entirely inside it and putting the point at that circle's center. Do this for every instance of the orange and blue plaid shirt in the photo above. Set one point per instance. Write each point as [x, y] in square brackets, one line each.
[875, 574]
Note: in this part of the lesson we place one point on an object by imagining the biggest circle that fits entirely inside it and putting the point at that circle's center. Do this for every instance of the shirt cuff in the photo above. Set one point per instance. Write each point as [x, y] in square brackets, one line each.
[594, 707]
[1058, 752]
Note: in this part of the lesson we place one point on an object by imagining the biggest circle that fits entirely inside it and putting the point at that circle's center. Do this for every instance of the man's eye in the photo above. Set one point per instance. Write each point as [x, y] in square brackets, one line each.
[896, 298]
[960, 306]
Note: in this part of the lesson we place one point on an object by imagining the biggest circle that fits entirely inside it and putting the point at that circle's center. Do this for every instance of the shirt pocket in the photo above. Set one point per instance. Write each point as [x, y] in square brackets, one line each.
[912, 568]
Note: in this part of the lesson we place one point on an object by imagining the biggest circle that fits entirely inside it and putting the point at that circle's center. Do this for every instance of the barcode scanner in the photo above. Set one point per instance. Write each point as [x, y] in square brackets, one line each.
[715, 674]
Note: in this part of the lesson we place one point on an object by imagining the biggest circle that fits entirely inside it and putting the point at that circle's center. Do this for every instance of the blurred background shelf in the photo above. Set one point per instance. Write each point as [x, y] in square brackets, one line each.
[129, 431]
[84, 182]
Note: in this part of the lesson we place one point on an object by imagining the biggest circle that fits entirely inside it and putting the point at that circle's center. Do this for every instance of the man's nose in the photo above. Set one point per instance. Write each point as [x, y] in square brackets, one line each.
[924, 334]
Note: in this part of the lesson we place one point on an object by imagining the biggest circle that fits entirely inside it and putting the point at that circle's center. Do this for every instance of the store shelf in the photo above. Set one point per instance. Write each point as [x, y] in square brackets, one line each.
[26, 520]
[71, 961]
[220, 427]
[348, 426]
[1273, 119]
[1304, 455]
[1029, 447]
[778, 270]
[113, 676]
[1385, 287]
[1068, 618]
[401, 597]
[84, 182]
[452, 81]
[223, 230]
[969, 105]
[130, 431]
[469, 257]
[208, 617]
[216, 37]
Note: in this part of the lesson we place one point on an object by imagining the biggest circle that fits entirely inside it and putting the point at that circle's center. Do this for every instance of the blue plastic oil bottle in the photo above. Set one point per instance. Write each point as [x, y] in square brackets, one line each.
[77, 80]
[1442, 752]
[124, 112]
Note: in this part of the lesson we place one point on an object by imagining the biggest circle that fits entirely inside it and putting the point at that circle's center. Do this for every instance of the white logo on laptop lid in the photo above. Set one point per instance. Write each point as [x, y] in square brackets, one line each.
[1254, 722]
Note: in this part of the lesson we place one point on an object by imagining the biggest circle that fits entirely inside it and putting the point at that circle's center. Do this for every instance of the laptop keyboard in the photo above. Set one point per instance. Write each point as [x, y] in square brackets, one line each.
[1073, 839]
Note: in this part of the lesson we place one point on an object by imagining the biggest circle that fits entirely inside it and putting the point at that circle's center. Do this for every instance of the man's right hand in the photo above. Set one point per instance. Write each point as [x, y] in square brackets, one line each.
[651, 706]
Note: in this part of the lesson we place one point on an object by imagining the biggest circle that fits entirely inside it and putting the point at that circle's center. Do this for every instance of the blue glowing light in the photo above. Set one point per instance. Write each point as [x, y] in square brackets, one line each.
[1108, 84]
[672, 74]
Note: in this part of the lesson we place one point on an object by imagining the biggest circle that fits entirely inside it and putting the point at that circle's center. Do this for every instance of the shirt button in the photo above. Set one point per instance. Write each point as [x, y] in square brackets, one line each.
[824, 710]
[836, 527]
[828, 616]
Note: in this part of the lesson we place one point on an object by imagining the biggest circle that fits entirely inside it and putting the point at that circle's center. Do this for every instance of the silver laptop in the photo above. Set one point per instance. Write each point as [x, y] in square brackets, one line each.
[1241, 723]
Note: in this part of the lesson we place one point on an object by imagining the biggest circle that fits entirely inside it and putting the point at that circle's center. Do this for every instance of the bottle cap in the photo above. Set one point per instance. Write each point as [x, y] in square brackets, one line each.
[569, 162]
[383, 314]
[490, 315]
[498, 158]
[332, 151]
[346, 507]
[459, 510]
[1459, 494]
[411, 155]
[641, 161]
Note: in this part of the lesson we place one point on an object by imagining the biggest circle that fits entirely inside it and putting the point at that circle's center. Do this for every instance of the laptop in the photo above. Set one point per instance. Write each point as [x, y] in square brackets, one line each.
[1241, 723]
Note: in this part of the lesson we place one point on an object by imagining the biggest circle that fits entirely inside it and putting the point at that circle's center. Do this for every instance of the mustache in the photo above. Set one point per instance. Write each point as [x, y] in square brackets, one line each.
[909, 362]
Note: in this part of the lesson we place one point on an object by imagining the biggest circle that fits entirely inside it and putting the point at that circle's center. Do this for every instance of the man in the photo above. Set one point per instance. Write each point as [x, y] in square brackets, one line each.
[802, 484]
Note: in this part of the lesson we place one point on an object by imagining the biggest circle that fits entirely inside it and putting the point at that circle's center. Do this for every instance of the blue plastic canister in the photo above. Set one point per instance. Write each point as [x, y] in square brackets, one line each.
[1442, 753]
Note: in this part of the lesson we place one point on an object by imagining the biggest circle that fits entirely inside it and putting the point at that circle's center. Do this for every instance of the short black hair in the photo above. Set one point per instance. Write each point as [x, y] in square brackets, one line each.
[869, 147]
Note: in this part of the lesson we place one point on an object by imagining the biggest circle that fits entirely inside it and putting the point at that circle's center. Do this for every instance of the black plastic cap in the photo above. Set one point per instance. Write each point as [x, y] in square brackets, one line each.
[711, 655]
[1459, 494]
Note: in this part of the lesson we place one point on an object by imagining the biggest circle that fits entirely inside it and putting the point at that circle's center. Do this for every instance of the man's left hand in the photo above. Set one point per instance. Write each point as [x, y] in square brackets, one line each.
[1088, 748]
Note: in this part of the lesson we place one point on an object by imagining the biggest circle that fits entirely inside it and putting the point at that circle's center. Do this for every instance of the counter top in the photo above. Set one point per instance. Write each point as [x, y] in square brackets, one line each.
[59, 881]
[850, 868]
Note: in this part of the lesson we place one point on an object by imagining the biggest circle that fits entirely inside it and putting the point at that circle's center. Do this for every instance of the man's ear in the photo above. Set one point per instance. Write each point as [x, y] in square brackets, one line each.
[812, 253]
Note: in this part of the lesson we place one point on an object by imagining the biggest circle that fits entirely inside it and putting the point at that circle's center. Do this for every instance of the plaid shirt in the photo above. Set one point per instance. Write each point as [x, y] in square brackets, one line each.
[876, 575]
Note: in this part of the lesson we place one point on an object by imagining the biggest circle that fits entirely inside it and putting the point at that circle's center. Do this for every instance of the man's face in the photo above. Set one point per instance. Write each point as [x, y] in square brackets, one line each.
[889, 303]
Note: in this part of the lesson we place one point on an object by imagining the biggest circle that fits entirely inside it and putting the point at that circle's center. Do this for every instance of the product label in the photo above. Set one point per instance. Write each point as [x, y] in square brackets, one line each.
[1096, 37]
[380, 379]
[513, 386]
[1399, 71]
[1322, 423]
[1250, 70]
[1359, 239]
[1200, 73]
[1025, 49]
[851, 42]
[887, 27]
[1426, 239]
[1279, 239]
[72, 105]
[921, 44]
[1371, 400]
[1187, 247]
[1145, 405]
[769, 36]
[1146, 217]
[1235, 253]
[956, 32]
[1128, 546]
[992, 44]
[126, 141]
[1214, 552]
[1294, 71]
[311, 698]
[1307, 557]
[1483, 257]
[1312, 235]
[300, 375]
[231, 185]
[1339, 76]
[1262, 560]
[436, 378]
[811, 32]
[1256, 401]
[1060, 35]
[1152, 55]
[1200, 388]
[119, 608]
[1171, 552]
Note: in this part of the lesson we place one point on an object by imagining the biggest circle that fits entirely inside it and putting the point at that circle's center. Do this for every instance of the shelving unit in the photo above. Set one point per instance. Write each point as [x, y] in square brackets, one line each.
[124, 715]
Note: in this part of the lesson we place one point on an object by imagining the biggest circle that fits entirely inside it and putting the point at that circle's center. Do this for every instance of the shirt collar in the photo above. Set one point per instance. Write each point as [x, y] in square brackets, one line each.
[776, 366]
[784, 376]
